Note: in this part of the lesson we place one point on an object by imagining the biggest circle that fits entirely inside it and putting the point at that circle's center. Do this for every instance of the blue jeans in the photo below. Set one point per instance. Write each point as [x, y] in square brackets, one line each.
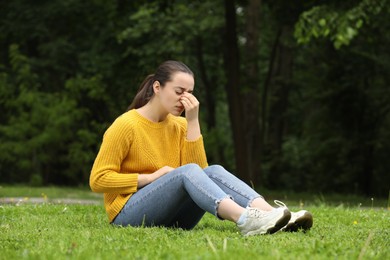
[181, 197]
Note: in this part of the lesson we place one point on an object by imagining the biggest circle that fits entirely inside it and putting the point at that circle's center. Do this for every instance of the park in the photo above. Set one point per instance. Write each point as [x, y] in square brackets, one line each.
[293, 100]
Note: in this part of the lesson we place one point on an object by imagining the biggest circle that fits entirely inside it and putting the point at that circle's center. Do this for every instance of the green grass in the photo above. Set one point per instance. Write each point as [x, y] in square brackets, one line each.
[345, 227]
[290, 198]
[46, 231]
[49, 192]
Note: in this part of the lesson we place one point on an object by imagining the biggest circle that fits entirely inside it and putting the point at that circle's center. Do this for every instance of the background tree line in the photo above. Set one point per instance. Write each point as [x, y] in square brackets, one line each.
[293, 95]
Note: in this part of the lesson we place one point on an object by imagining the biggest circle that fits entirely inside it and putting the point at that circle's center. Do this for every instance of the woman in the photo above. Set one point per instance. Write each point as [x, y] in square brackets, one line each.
[153, 171]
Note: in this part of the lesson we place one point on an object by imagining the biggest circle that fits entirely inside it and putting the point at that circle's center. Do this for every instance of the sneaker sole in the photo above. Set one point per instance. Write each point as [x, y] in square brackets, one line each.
[278, 225]
[305, 223]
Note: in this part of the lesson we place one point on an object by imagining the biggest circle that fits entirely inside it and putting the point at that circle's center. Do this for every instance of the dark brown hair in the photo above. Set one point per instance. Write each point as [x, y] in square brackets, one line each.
[163, 74]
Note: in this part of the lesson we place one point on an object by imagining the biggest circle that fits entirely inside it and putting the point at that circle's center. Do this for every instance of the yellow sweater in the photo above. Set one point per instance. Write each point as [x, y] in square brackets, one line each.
[134, 145]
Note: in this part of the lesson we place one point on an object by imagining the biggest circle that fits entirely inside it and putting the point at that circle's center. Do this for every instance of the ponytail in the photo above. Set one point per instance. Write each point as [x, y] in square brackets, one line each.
[144, 94]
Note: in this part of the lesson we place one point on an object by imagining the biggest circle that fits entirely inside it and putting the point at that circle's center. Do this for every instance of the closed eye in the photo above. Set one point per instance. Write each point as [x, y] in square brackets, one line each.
[180, 91]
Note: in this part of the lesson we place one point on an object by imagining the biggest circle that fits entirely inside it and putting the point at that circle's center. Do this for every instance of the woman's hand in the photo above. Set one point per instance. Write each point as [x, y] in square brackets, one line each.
[160, 172]
[191, 106]
[145, 179]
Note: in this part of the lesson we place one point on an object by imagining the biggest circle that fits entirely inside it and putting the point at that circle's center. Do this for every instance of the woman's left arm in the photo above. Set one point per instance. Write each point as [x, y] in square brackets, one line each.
[193, 149]
[191, 106]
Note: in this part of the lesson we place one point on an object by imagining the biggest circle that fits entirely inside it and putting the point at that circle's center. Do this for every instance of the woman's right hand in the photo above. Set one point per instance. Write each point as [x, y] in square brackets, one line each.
[145, 179]
[160, 172]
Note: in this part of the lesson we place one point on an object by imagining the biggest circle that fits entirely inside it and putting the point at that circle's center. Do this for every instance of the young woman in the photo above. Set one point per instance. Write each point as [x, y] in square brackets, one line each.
[153, 171]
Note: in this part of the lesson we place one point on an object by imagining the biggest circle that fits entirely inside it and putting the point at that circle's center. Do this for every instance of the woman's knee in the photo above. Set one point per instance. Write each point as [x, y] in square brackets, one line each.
[186, 170]
[214, 169]
[191, 167]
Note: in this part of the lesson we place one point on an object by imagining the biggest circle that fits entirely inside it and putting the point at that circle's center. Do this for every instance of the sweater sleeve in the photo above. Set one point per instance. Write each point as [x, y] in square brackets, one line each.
[191, 151]
[194, 152]
[105, 174]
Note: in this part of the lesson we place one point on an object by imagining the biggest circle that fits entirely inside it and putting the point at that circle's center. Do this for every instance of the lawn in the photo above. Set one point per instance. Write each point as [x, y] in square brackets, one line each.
[48, 192]
[48, 231]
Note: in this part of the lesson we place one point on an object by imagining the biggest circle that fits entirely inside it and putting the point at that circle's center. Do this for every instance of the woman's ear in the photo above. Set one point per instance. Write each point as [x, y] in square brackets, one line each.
[156, 87]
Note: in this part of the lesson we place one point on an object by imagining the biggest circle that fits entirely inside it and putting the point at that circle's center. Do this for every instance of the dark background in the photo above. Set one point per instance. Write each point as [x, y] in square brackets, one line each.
[294, 95]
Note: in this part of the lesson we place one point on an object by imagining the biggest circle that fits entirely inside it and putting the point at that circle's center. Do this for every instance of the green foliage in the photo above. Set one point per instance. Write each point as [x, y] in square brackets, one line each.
[32, 231]
[339, 108]
[343, 108]
[54, 88]
[40, 122]
[340, 26]
[157, 31]
[214, 137]
[69, 68]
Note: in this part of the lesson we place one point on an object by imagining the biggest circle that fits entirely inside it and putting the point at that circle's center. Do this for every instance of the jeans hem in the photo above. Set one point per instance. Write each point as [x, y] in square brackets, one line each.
[251, 200]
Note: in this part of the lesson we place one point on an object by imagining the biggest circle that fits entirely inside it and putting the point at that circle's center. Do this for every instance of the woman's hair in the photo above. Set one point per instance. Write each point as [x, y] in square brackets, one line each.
[163, 74]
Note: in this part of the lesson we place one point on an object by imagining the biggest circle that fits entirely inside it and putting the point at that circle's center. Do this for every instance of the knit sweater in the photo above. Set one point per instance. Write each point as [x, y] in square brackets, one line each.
[133, 145]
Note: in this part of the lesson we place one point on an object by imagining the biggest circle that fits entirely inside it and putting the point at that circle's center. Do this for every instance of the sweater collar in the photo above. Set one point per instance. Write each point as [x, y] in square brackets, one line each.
[149, 123]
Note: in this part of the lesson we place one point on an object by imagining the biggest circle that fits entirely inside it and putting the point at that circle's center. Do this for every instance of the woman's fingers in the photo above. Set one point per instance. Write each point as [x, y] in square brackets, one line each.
[191, 106]
[189, 100]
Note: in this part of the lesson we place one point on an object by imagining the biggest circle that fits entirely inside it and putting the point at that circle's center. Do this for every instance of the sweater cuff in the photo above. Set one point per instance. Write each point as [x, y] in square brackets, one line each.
[194, 152]
[112, 182]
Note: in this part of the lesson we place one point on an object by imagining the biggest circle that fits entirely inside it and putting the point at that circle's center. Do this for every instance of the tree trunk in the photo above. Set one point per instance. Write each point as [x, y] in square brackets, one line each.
[281, 83]
[210, 93]
[209, 89]
[250, 91]
[264, 100]
[243, 95]
[278, 87]
[232, 65]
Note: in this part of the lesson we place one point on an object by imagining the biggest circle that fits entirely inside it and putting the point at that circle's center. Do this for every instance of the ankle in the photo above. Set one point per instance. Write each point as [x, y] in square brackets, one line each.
[229, 210]
[261, 204]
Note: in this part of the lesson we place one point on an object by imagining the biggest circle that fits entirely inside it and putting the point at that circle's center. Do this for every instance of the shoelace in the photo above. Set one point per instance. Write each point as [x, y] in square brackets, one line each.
[280, 204]
[255, 213]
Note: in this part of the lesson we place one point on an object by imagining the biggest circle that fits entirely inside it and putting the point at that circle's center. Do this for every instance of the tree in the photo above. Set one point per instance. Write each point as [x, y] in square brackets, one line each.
[349, 111]
[310, 112]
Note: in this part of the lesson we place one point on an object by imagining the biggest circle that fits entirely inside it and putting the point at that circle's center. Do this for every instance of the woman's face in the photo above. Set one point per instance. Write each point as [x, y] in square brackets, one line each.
[170, 94]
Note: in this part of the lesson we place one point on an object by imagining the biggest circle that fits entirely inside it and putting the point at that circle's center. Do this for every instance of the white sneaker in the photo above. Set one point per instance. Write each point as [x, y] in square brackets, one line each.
[299, 220]
[264, 222]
